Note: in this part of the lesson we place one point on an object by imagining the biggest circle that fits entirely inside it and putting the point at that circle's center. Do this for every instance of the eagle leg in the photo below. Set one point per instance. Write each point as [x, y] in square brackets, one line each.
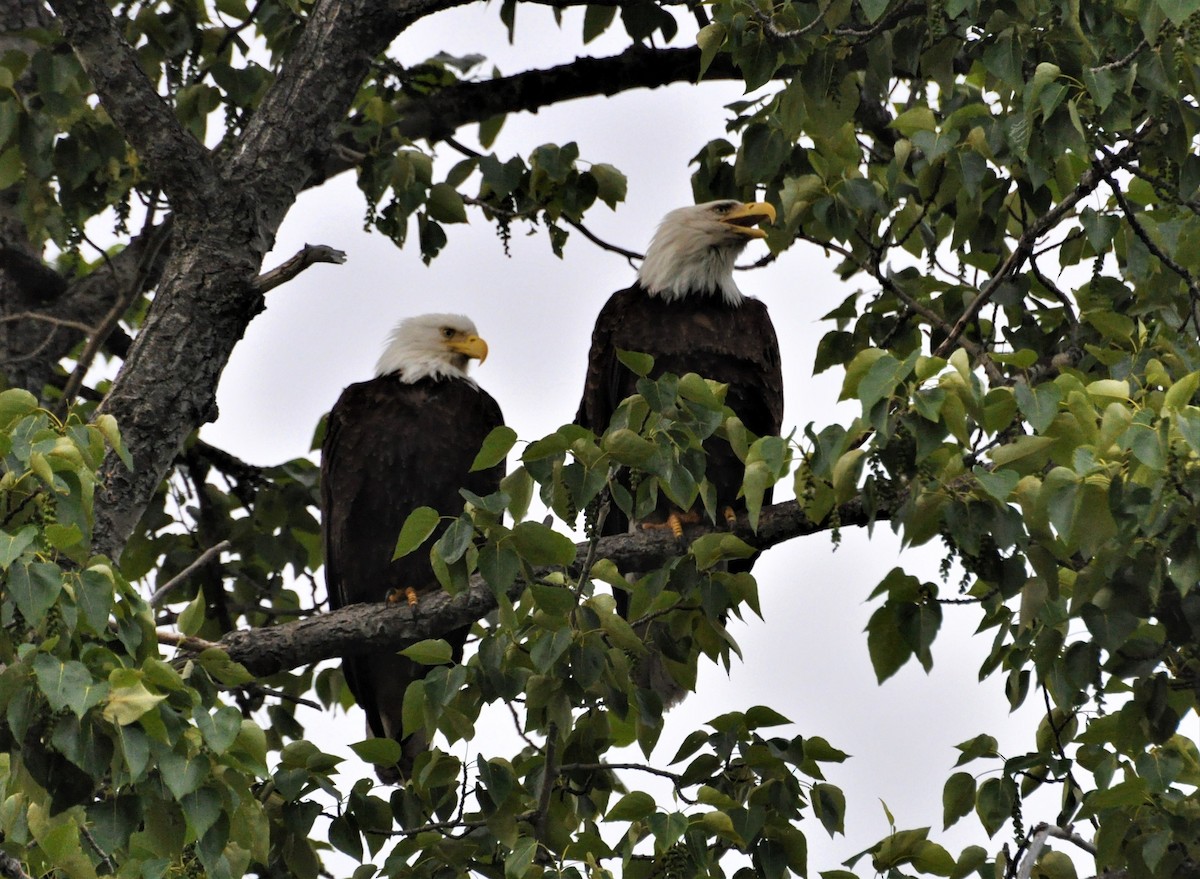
[675, 522]
[408, 594]
[730, 517]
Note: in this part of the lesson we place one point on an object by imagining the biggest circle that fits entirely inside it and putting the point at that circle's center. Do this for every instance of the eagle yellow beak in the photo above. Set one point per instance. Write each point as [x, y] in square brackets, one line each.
[472, 346]
[744, 218]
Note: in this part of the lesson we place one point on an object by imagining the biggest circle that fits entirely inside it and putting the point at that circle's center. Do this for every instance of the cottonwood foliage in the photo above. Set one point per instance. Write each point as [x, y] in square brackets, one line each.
[1010, 187]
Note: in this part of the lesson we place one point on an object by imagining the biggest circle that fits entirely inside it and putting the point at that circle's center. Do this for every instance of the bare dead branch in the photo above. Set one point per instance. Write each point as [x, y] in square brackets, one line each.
[309, 255]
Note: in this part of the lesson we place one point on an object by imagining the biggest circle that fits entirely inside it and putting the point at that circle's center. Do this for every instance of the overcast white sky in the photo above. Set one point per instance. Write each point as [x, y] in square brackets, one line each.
[808, 659]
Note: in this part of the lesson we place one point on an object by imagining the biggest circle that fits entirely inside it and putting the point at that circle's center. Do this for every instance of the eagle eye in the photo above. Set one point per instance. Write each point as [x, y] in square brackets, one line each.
[723, 207]
[447, 333]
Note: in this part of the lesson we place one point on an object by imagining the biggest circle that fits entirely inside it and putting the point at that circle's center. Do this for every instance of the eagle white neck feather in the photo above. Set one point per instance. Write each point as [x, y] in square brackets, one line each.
[686, 258]
[415, 349]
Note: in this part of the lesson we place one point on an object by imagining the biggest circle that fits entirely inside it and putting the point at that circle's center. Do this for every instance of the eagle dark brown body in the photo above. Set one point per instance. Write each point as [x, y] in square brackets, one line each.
[391, 447]
[734, 344]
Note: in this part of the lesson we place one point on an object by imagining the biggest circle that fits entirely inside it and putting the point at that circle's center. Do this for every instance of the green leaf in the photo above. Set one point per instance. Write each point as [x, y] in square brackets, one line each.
[829, 804]
[981, 746]
[107, 425]
[416, 530]
[381, 752]
[760, 716]
[445, 204]
[710, 39]
[15, 403]
[627, 447]
[219, 729]
[757, 479]
[596, 20]
[994, 803]
[997, 483]
[12, 545]
[496, 446]
[35, 588]
[452, 545]
[192, 617]
[520, 860]
[888, 648]
[611, 184]
[431, 651]
[1178, 10]
[874, 8]
[640, 364]
[958, 798]
[632, 807]
[68, 685]
[540, 545]
[708, 549]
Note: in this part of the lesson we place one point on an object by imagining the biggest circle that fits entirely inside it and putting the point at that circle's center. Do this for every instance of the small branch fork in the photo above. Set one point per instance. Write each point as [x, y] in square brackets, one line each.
[1088, 184]
[1037, 841]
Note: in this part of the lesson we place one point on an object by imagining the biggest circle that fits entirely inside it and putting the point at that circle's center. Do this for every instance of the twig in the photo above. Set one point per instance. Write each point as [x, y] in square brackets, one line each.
[1086, 186]
[260, 690]
[1122, 62]
[185, 642]
[775, 35]
[106, 326]
[1163, 257]
[597, 529]
[517, 725]
[105, 860]
[675, 779]
[10, 867]
[630, 255]
[308, 255]
[47, 318]
[205, 557]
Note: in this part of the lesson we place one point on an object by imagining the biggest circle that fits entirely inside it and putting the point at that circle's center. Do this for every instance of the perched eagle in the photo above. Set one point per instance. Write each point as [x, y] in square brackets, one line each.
[686, 311]
[404, 439]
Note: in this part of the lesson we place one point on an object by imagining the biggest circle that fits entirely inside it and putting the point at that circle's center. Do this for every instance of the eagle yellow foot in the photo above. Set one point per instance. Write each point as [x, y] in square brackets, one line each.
[730, 517]
[407, 594]
[675, 522]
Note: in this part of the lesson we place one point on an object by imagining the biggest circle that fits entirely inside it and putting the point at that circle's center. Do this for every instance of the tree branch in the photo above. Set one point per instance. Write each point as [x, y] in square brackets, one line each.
[309, 255]
[362, 628]
[1088, 184]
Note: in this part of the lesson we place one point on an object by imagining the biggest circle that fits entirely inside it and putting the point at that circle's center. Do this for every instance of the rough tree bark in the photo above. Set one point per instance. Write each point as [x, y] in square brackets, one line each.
[225, 219]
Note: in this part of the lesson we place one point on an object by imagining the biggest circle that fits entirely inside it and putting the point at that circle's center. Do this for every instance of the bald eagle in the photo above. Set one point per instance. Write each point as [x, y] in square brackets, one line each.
[404, 439]
[687, 312]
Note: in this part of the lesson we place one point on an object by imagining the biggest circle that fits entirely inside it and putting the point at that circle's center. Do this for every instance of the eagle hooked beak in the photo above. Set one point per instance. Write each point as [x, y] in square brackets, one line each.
[744, 218]
[471, 346]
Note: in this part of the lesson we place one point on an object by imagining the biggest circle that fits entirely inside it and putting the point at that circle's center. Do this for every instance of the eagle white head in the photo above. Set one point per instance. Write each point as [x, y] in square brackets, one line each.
[694, 249]
[431, 346]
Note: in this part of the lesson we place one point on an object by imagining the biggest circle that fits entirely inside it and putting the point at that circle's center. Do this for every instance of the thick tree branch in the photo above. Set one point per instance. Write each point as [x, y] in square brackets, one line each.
[362, 628]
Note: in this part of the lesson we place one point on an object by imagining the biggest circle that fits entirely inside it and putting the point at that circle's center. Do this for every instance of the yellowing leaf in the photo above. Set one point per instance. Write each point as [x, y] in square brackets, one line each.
[126, 704]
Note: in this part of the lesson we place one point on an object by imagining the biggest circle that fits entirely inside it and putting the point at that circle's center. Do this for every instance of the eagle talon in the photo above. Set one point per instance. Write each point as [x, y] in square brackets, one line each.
[730, 518]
